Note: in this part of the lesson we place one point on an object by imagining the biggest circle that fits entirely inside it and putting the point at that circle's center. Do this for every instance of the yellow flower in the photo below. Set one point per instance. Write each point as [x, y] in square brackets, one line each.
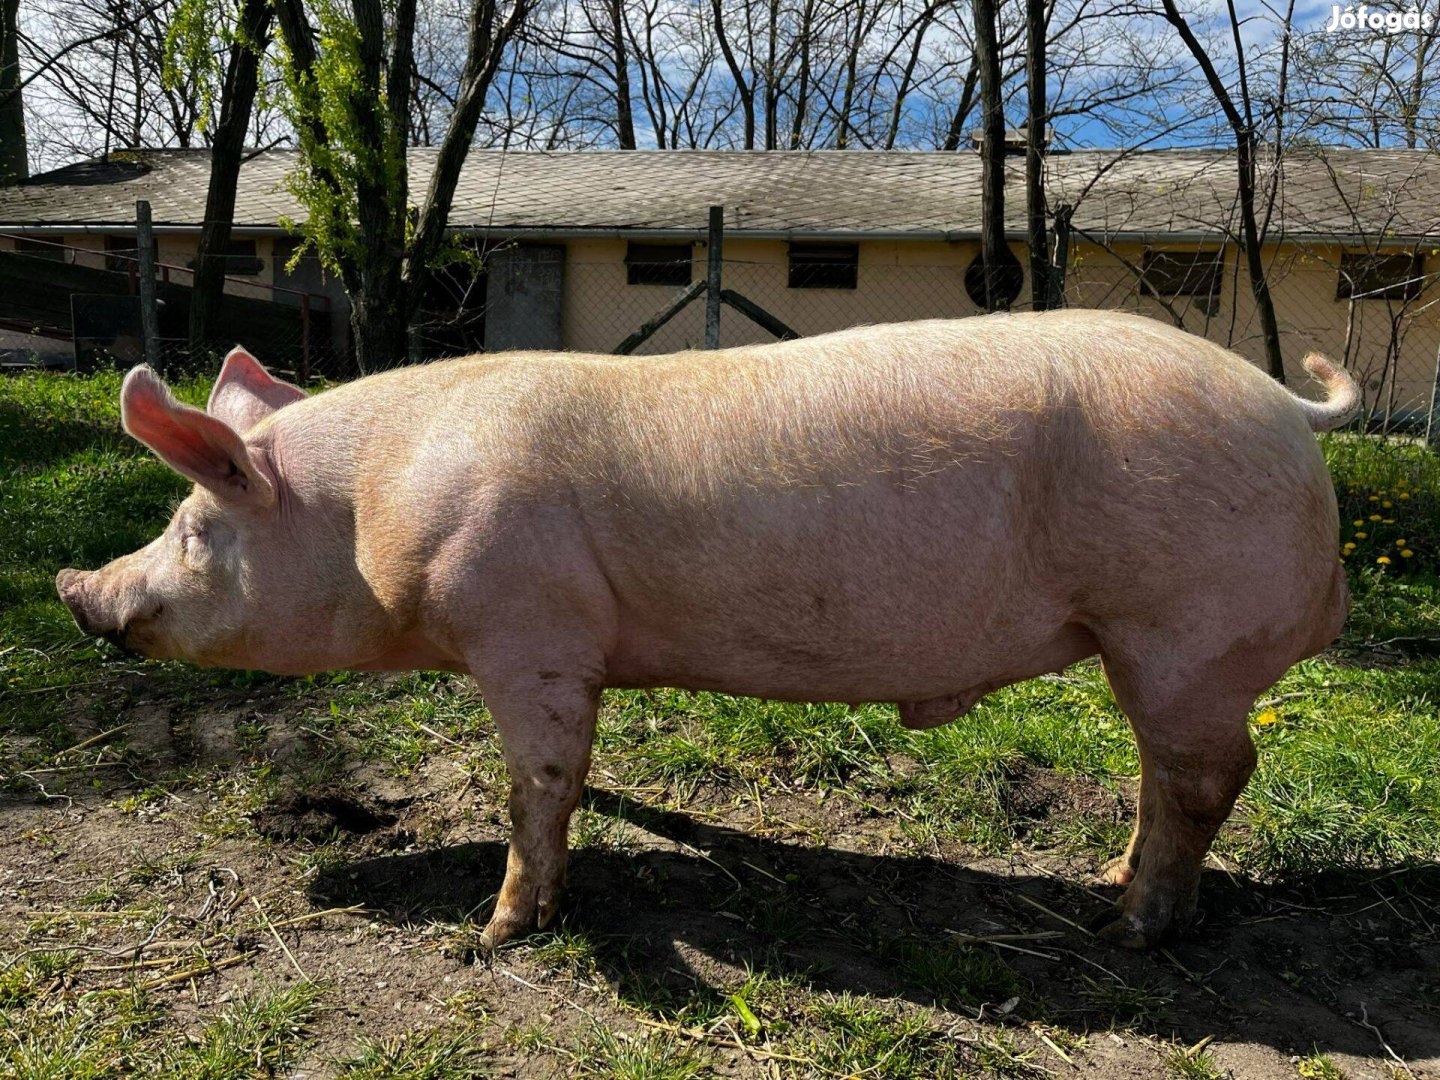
[1387, 504]
[1266, 718]
[1384, 560]
[1374, 498]
[1407, 554]
[1404, 494]
[1401, 542]
[1350, 545]
[1361, 535]
[1388, 521]
[1358, 522]
[1374, 517]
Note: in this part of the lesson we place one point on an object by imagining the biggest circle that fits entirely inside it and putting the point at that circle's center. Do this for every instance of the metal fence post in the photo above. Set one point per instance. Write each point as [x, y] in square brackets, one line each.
[713, 269]
[149, 317]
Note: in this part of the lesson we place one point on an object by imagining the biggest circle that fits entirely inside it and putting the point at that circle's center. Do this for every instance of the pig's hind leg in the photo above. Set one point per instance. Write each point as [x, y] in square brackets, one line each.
[546, 723]
[1195, 758]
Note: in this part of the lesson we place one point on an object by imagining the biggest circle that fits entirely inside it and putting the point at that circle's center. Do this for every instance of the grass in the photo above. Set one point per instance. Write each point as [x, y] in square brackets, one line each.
[129, 1034]
[1347, 782]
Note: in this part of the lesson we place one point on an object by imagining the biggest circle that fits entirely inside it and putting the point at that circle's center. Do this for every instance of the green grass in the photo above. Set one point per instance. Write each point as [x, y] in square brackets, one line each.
[124, 1033]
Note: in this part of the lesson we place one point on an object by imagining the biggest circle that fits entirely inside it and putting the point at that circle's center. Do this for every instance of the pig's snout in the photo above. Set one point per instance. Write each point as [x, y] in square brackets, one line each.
[94, 617]
[70, 584]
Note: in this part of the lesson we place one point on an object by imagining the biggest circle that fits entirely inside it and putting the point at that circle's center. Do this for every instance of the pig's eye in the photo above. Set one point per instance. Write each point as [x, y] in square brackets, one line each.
[193, 542]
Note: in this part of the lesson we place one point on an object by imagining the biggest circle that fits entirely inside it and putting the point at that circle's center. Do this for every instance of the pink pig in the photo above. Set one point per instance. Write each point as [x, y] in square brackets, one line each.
[918, 513]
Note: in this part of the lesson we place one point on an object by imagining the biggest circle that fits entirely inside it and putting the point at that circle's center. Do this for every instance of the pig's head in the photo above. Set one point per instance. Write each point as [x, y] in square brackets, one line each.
[199, 591]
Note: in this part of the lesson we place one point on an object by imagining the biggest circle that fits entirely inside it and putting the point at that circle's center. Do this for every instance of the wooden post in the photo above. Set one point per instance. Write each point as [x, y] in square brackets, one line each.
[713, 269]
[756, 314]
[149, 316]
[639, 337]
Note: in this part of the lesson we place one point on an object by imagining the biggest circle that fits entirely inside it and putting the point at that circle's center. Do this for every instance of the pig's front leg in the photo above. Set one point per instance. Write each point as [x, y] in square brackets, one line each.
[546, 721]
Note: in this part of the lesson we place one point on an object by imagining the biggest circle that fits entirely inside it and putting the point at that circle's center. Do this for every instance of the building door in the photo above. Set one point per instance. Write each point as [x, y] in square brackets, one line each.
[524, 287]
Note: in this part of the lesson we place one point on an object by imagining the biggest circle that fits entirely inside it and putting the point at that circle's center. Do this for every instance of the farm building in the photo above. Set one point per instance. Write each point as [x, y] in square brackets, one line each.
[577, 249]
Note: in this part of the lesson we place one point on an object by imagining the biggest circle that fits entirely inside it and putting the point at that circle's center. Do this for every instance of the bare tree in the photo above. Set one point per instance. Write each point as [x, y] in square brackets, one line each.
[992, 155]
[1037, 118]
[1239, 113]
[1370, 90]
[14, 160]
[248, 39]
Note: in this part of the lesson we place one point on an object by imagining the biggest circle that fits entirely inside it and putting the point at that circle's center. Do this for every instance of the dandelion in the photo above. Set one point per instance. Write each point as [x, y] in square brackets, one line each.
[1374, 498]
[1388, 521]
[1361, 535]
[1350, 545]
[1374, 517]
[1358, 522]
[1386, 505]
[1401, 542]
[1404, 494]
[1406, 553]
[1266, 718]
[1384, 560]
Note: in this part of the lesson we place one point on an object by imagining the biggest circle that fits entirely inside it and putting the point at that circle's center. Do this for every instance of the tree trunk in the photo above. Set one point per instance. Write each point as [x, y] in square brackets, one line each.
[743, 88]
[624, 113]
[378, 325]
[242, 77]
[956, 134]
[992, 154]
[14, 161]
[1254, 261]
[1245, 143]
[1035, 155]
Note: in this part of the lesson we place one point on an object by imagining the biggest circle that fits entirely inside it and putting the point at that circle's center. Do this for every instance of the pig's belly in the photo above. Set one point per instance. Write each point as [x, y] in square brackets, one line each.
[887, 630]
[895, 666]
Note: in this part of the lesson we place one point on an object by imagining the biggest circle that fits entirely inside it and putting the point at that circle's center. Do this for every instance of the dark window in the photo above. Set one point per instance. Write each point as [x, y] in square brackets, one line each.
[823, 266]
[657, 264]
[53, 250]
[120, 253]
[1365, 276]
[240, 259]
[1184, 273]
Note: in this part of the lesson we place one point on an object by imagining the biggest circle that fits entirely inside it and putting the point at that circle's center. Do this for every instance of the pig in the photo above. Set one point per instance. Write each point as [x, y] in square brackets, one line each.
[918, 513]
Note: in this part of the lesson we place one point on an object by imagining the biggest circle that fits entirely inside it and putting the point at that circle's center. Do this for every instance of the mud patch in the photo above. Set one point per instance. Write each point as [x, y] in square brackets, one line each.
[318, 815]
[1035, 793]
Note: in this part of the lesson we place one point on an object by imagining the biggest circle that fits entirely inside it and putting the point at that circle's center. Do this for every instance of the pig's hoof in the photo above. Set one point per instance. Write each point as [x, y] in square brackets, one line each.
[1128, 933]
[1117, 872]
[497, 932]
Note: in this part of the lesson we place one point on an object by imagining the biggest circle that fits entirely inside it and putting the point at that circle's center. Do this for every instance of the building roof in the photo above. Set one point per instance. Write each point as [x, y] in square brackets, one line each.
[839, 193]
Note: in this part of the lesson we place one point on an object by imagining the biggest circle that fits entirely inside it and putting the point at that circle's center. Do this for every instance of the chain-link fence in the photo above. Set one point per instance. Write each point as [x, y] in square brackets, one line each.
[1379, 314]
[1376, 311]
[67, 305]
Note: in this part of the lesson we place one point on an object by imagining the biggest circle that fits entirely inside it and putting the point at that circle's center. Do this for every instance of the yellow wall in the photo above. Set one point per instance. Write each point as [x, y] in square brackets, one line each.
[898, 281]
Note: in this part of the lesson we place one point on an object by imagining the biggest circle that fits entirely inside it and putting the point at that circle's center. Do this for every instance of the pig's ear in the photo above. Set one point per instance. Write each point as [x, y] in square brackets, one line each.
[193, 443]
[245, 393]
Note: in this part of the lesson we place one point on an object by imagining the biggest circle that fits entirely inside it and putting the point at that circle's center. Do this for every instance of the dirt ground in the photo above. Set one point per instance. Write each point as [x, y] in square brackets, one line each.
[374, 884]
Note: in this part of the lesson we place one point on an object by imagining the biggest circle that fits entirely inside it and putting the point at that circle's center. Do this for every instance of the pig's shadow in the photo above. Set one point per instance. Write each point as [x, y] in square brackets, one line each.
[1267, 965]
